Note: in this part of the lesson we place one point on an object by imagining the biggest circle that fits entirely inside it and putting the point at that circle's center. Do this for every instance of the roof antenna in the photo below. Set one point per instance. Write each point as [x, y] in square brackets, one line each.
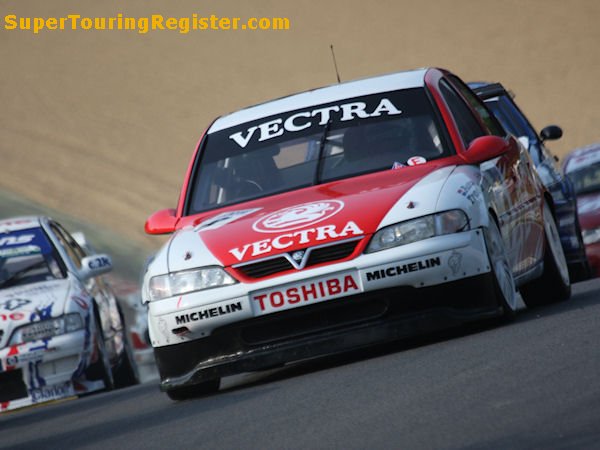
[337, 73]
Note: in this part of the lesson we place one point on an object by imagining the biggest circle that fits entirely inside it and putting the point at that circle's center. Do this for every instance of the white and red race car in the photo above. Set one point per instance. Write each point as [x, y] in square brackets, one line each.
[343, 217]
[61, 330]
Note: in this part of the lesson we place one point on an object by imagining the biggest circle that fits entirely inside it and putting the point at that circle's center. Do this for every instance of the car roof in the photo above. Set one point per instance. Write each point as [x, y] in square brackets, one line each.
[349, 89]
[582, 157]
[19, 223]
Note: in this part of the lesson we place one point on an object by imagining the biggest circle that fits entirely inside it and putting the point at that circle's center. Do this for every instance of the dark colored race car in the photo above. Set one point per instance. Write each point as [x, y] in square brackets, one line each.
[343, 217]
[502, 104]
[582, 166]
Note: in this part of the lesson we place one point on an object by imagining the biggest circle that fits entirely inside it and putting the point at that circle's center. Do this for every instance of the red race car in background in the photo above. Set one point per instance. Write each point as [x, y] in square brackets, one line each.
[582, 166]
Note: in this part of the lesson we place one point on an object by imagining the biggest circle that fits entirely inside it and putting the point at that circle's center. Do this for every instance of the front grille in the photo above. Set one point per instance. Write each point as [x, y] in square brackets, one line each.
[331, 253]
[316, 255]
[266, 268]
[12, 386]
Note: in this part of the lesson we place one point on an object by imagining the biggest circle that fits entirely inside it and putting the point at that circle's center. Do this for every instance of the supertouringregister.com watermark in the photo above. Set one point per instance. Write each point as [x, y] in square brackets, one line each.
[143, 25]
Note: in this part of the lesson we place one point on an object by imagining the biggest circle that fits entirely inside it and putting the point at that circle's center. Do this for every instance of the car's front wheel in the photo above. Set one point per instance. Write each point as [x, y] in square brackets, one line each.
[554, 285]
[503, 280]
[196, 390]
[126, 374]
[101, 368]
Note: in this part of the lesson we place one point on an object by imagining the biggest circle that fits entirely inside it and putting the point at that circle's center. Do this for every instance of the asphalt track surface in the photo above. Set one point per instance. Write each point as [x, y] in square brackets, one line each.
[534, 383]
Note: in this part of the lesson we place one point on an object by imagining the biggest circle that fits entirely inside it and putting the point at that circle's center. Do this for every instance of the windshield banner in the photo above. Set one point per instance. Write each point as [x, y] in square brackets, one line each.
[312, 120]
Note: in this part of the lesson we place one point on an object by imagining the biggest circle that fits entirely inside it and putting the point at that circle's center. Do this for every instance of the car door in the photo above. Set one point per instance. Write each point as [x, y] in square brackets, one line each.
[510, 183]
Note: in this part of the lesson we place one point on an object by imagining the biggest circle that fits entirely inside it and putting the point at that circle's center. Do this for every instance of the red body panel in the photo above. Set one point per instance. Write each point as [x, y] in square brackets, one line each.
[366, 201]
[354, 207]
[588, 207]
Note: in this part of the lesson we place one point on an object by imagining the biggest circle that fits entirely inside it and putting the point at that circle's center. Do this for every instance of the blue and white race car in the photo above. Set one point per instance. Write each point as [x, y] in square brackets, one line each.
[61, 330]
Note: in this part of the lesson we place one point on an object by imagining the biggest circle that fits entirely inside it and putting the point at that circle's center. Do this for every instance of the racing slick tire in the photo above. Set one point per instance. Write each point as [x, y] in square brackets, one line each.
[580, 271]
[101, 369]
[554, 285]
[503, 281]
[196, 390]
[126, 374]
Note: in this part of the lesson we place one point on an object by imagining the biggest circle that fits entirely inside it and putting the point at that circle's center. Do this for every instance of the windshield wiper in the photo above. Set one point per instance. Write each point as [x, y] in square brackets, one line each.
[320, 152]
[15, 276]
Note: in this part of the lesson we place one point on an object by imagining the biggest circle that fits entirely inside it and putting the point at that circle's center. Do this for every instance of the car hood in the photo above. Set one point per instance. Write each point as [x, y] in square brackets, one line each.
[307, 217]
[588, 208]
[21, 305]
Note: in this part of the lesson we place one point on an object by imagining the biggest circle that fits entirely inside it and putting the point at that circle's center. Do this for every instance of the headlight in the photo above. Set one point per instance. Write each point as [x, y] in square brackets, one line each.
[418, 229]
[177, 283]
[591, 236]
[46, 329]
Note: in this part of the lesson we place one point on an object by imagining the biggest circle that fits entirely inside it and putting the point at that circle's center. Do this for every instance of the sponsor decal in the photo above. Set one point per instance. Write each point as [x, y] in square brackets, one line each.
[299, 216]
[207, 313]
[415, 160]
[14, 350]
[81, 302]
[16, 239]
[42, 313]
[394, 271]
[470, 191]
[14, 303]
[397, 165]
[24, 250]
[21, 243]
[43, 346]
[455, 262]
[36, 381]
[99, 262]
[46, 393]
[12, 223]
[287, 240]
[305, 119]
[22, 358]
[310, 292]
[12, 316]
[30, 290]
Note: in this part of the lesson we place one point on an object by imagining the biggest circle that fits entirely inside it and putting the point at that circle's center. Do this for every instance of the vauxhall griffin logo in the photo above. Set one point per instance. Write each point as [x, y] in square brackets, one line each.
[298, 216]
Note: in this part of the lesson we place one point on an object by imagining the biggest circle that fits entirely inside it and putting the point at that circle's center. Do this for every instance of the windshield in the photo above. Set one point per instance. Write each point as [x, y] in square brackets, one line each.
[315, 145]
[587, 179]
[26, 256]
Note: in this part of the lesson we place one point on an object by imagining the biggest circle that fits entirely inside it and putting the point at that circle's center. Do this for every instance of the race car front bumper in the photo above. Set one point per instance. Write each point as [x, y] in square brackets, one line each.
[377, 297]
[43, 370]
[325, 329]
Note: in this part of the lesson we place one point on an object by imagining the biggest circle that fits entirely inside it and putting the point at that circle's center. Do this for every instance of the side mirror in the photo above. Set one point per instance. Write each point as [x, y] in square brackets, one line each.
[94, 265]
[551, 133]
[485, 148]
[161, 222]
